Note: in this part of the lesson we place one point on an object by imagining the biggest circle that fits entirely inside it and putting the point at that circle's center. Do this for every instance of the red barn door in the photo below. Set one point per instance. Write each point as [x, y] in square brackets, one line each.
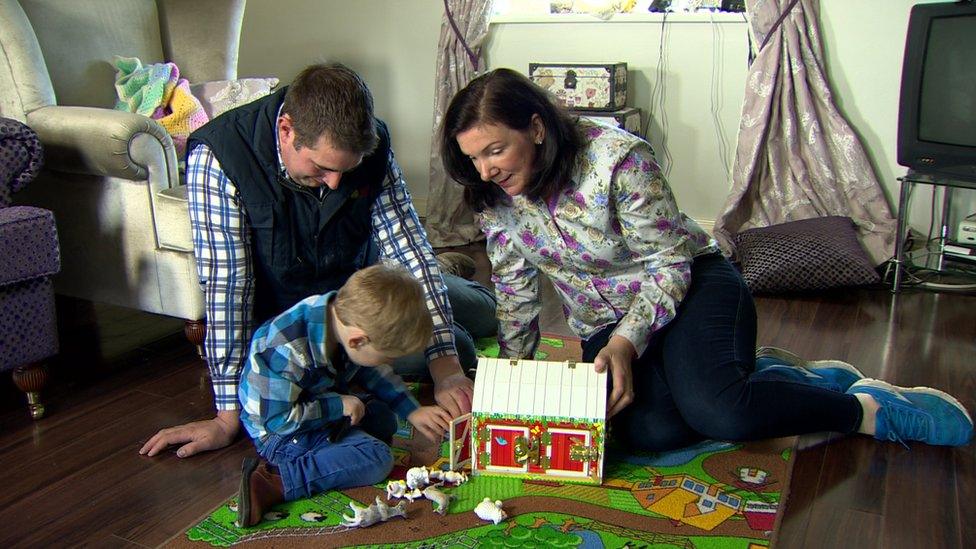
[501, 445]
[562, 441]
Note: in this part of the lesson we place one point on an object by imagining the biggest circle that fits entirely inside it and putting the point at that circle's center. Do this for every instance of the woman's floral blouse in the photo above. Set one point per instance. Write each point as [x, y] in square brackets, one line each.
[614, 244]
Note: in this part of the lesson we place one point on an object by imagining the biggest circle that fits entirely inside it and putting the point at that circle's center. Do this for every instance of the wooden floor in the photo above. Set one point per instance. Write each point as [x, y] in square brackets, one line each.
[76, 478]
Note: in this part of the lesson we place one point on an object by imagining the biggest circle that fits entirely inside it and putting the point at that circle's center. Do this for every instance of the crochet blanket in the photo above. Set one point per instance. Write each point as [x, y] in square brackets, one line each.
[157, 91]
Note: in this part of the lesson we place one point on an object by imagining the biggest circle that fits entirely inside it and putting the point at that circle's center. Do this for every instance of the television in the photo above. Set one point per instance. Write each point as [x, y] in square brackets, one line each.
[937, 112]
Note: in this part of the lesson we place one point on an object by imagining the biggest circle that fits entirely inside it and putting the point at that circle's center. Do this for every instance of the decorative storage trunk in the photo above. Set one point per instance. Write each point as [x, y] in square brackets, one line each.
[628, 119]
[539, 420]
[582, 86]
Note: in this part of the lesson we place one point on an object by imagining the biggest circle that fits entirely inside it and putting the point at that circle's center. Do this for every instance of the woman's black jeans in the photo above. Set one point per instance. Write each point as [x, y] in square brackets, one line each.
[693, 380]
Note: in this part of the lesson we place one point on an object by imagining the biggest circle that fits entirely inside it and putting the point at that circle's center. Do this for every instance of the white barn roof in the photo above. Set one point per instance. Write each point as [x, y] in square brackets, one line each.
[540, 388]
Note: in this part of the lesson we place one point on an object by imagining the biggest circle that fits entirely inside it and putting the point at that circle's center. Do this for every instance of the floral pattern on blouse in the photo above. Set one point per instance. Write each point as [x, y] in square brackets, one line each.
[614, 244]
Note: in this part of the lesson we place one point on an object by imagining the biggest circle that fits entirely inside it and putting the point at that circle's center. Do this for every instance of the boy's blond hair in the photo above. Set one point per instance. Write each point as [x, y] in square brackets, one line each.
[388, 304]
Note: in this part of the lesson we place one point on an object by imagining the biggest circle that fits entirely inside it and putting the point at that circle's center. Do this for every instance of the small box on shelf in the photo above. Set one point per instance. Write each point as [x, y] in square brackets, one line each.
[583, 86]
[628, 118]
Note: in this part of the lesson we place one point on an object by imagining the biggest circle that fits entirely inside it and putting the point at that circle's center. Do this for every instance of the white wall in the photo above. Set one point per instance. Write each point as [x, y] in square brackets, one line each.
[865, 43]
[393, 44]
[702, 69]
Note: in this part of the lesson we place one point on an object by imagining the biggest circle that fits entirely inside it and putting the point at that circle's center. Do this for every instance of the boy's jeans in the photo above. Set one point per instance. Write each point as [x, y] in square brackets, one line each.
[309, 464]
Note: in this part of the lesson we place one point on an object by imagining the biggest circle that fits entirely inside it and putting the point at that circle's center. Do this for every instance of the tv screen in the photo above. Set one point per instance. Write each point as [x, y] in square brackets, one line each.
[947, 102]
[937, 114]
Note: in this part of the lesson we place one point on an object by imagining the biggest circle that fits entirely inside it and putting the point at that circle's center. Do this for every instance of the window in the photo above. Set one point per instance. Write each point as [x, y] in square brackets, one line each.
[609, 9]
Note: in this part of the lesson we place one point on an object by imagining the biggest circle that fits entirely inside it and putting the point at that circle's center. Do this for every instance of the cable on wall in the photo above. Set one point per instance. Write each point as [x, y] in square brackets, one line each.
[659, 96]
[717, 77]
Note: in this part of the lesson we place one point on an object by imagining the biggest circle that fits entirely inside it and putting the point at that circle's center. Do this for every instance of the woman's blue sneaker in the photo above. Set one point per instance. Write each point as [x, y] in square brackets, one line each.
[782, 365]
[916, 413]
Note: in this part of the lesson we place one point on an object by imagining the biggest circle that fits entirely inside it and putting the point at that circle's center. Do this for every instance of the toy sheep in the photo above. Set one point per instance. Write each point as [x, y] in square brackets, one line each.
[488, 510]
[417, 477]
[398, 489]
[454, 477]
[440, 499]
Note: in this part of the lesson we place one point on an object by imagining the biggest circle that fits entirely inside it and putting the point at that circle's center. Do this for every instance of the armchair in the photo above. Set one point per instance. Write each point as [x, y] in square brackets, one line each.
[29, 247]
[111, 177]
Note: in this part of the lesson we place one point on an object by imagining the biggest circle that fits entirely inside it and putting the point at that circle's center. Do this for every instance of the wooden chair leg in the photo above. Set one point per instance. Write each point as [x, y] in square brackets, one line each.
[194, 331]
[30, 379]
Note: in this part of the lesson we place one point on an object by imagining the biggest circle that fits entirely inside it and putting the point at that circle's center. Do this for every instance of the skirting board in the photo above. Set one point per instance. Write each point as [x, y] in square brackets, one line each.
[707, 224]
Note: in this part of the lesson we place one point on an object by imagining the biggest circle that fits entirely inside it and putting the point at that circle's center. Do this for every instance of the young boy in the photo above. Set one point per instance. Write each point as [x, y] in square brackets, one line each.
[295, 390]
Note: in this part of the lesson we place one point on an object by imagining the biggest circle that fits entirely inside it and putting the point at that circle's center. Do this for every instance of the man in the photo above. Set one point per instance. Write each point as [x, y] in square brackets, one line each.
[289, 195]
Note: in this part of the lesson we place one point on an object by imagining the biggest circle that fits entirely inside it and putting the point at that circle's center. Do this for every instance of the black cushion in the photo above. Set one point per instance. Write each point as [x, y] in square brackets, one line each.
[810, 254]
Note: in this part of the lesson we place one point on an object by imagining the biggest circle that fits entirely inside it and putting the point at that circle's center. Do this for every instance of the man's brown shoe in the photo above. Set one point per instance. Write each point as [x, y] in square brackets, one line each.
[457, 264]
[260, 489]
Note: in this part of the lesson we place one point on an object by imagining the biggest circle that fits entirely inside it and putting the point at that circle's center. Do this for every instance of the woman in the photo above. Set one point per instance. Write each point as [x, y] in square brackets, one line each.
[644, 286]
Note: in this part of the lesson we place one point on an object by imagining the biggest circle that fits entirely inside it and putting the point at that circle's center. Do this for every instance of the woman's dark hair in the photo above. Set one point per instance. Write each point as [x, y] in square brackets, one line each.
[506, 98]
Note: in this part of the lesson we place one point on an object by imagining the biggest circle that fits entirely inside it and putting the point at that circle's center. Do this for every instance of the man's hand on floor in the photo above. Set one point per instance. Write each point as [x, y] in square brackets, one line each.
[198, 436]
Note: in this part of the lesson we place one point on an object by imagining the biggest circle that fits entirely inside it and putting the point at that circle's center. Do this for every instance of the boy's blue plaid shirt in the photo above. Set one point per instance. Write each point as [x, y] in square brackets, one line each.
[289, 384]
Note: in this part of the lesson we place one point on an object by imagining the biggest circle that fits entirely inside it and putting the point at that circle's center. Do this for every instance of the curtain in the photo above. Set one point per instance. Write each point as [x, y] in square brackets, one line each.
[463, 29]
[797, 157]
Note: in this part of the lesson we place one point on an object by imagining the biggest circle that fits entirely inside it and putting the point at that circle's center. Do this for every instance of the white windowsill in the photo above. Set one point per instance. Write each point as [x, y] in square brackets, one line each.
[704, 17]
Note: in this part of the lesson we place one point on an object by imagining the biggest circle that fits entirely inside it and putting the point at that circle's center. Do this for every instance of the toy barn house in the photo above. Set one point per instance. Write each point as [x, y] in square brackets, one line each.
[537, 419]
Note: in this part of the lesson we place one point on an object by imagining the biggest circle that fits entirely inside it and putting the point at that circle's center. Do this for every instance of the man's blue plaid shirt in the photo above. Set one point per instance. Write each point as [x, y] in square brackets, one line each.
[221, 242]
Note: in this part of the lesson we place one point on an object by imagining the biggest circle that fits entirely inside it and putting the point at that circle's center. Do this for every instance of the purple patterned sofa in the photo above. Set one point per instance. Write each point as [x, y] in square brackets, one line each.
[29, 257]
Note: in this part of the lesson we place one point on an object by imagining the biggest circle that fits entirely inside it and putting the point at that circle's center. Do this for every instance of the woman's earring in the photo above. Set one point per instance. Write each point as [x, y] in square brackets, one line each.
[538, 141]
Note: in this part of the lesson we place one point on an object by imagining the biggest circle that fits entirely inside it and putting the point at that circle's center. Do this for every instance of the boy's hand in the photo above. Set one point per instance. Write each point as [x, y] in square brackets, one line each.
[432, 421]
[353, 407]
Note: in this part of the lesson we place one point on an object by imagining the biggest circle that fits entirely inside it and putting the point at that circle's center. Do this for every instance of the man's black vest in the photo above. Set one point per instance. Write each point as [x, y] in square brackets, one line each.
[301, 243]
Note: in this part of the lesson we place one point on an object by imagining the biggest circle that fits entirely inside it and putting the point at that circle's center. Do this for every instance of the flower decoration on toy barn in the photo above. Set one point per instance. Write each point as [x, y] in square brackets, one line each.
[539, 420]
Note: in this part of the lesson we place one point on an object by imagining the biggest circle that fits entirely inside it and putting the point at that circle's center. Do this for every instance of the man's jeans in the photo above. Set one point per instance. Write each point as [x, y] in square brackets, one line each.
[474, 318]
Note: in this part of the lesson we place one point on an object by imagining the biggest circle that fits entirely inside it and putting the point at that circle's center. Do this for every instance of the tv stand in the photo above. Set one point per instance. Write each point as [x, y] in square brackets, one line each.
[908, 182]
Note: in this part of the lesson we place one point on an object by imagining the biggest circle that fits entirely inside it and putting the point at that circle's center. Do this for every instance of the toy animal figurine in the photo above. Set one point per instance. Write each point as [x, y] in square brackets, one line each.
[398, 489]
[311, 516]
[454, 477]
[418, 477]
[386, 512]
[375, 512]
[490, 510]
[440, 499]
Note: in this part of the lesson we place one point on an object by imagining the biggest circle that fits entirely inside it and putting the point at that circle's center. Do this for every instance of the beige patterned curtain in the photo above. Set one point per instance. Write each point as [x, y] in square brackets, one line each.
[796, 156]
[463, 30]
